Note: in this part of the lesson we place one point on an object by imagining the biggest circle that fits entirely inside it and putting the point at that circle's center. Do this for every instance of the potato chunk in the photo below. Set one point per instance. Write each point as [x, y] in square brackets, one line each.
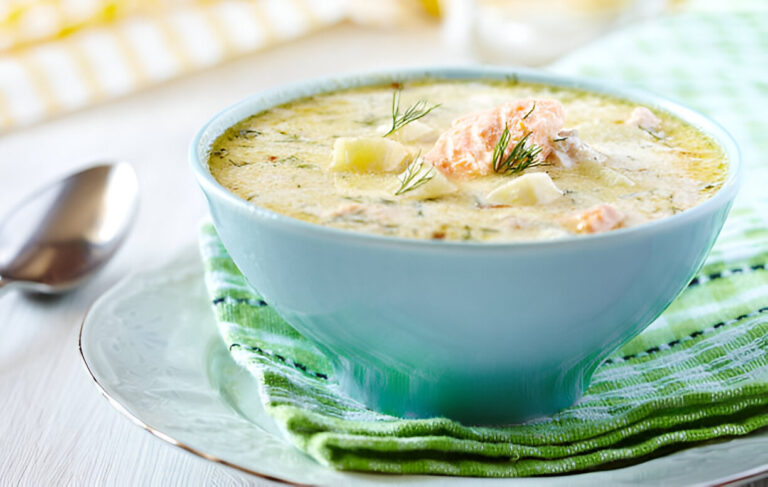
[367, 154]
[528, 189]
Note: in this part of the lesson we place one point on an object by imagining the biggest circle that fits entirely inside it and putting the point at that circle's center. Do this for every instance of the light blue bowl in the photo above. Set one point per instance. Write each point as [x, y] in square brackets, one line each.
[484, 333]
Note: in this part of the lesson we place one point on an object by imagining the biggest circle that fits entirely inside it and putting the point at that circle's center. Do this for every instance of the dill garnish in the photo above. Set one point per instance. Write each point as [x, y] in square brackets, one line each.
[411, 114]
[560, 139]
[520, 158]
[530, 111]
[237, 163]
[291, 158]
[415, 175]
[650, 132]
[249, 133]
[368, 121]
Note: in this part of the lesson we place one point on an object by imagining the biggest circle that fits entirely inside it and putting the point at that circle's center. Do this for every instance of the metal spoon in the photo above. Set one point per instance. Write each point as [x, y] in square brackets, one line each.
[61, 235]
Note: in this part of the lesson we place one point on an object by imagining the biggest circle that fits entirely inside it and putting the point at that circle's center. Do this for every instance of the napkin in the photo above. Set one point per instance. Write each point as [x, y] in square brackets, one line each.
[60, 55]
[57, 56]
[699, 373]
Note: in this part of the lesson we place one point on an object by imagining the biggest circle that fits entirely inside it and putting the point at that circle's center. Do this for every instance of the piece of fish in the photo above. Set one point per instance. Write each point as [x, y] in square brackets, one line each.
[568, 149]
[643, 118]
[600, 218]
[466, 149]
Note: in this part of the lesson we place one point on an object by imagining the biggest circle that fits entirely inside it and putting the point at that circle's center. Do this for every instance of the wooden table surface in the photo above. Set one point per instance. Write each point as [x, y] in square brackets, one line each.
[55, 428]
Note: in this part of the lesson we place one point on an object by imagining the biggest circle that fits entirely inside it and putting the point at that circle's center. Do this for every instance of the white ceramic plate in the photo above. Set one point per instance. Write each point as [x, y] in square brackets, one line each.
[152, 347]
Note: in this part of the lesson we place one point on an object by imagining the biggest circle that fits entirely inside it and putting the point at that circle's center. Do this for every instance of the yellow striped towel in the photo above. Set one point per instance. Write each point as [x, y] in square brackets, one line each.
[112, 47]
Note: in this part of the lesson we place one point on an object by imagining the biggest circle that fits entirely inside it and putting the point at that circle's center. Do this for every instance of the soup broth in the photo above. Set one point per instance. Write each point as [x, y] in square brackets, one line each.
[594, 163]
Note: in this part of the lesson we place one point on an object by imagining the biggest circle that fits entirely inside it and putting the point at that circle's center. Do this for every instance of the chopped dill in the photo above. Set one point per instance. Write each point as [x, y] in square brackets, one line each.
[237, 163]
[411, 114]
[650, 132]
[248, 133]
[291, 158]
[368, 121]
[289, 137]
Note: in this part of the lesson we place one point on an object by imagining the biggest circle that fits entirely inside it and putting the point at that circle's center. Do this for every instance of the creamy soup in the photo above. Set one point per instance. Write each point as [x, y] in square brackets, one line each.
[468, 160]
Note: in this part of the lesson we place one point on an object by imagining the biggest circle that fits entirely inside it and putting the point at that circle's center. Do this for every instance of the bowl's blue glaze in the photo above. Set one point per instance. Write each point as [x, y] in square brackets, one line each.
[479, 332]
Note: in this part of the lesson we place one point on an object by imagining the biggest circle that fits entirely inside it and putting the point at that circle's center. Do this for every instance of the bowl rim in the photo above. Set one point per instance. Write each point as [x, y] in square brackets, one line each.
[275, 96]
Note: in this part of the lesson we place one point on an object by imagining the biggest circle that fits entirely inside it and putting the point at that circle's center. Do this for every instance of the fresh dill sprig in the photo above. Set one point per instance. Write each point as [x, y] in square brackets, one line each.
[521, 157]
[412, 113]
[530, 111]
[415, 175]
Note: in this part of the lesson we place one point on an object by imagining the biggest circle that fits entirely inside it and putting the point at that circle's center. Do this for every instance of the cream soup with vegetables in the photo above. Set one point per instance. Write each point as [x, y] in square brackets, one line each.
[468, 160]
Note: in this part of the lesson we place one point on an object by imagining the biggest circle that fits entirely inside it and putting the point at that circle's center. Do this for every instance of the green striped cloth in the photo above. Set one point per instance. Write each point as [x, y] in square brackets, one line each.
[700, 372]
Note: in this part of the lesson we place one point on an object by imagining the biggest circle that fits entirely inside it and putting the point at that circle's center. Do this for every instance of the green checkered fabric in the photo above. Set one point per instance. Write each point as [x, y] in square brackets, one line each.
[700, 372]
[716, 63]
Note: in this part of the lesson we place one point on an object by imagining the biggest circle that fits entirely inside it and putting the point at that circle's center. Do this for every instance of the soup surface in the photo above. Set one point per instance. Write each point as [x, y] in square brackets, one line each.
[468, 160]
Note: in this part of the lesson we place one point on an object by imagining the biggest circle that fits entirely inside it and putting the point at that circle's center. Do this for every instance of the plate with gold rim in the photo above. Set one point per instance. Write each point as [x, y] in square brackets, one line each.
[151, 345]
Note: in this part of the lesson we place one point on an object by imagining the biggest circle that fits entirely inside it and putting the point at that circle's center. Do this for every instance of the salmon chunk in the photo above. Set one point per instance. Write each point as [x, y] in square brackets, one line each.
[600, 218]
[466, 148]
[643, 118]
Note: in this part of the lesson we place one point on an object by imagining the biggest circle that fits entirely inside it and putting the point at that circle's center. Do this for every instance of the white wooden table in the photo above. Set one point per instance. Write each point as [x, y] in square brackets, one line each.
[55, 428]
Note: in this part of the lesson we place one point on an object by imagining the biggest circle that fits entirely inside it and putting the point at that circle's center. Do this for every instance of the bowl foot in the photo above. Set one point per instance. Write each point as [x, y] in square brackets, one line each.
[490, 397]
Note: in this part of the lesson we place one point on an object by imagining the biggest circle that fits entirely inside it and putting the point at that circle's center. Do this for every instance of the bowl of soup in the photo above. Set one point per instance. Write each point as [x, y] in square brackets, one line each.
[465, 242]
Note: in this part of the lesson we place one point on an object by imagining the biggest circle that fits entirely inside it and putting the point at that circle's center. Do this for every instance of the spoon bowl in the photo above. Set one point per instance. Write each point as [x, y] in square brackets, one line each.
[60, 235]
